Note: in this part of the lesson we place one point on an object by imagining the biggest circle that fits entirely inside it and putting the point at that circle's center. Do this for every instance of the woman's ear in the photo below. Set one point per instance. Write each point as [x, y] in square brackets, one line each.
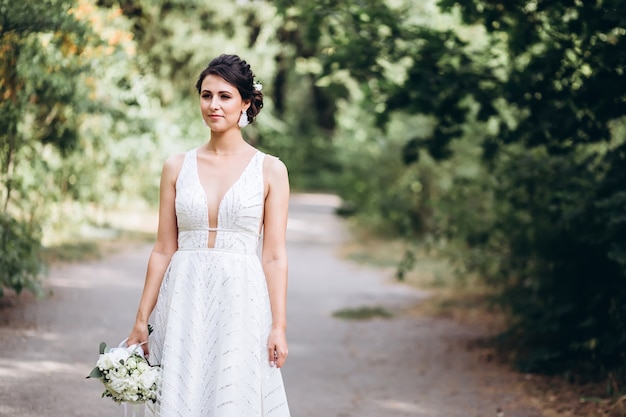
[246, 105]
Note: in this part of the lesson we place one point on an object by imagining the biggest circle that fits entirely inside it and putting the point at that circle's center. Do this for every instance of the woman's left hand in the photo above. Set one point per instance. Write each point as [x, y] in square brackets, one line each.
[277, 347]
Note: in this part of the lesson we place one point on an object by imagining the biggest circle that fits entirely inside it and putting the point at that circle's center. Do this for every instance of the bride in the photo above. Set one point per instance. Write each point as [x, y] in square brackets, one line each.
[218, 311]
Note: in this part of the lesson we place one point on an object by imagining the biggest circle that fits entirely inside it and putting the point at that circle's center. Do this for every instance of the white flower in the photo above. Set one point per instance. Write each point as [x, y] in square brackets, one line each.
[118, 355]
[130, 396]
[104, 362]
[131, 363]
[117, 385]
[127, 375]
[148, 378]
[257, 86]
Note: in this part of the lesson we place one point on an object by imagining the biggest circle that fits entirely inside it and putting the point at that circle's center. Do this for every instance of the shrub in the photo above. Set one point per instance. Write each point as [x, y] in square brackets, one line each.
[20, 249]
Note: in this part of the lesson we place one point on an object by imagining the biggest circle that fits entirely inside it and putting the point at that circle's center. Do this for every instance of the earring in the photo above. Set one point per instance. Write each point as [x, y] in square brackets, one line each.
[243, 119]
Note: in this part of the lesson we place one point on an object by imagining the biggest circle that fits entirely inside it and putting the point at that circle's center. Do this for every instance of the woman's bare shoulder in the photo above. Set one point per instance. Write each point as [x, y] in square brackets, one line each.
[273, 166]
[172, 165]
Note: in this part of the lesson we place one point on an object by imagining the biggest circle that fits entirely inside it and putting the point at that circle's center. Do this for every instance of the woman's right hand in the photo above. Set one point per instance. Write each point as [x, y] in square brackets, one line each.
[139, 336]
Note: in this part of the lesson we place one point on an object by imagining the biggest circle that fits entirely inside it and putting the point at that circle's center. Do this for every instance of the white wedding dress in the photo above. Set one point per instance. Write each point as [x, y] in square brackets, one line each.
[212, 317]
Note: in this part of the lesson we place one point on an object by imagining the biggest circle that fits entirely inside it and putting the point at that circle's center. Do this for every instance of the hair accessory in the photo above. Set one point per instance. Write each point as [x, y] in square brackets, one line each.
[243, 119]
[257, 86]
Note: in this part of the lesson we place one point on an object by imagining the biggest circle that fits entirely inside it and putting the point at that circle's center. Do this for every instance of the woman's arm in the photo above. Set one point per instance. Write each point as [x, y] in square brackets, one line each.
[164, 247]
[274, 257]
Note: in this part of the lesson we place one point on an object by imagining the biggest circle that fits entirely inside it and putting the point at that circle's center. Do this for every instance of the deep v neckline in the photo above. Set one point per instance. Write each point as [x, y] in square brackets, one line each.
[226, 193]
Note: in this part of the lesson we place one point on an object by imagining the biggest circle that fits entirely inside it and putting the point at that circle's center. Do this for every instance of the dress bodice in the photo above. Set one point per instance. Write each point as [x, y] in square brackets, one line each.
[239, 213]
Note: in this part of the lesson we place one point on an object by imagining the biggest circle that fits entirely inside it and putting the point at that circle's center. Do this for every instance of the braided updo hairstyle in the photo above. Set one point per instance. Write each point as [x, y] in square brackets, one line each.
[236, 72]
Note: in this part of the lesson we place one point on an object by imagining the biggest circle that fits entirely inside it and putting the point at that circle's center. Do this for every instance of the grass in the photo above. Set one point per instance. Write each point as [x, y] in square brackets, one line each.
[362, 313]
[108, 232]
[89, 248]
[72, 252]
[366, 248]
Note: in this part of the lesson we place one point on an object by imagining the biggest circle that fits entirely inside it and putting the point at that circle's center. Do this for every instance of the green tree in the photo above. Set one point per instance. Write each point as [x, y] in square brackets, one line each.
[41, 43]
[177, 39]
[76, 118]
[518, 156]
[560, 195]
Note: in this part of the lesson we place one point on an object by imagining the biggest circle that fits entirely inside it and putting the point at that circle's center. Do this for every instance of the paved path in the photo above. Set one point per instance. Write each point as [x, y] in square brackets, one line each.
[406, 366]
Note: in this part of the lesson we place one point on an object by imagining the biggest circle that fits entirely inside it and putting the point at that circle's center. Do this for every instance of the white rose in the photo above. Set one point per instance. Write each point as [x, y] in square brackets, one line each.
[116, 385]
[149, 378]
[134, 381]
[104, 362]
[131, 363]
[120, 372]
[131, 397]
[118, 355]
[142, 366]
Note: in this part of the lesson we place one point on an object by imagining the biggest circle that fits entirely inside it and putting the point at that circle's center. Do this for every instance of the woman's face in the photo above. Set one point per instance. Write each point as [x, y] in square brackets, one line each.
[220, 103]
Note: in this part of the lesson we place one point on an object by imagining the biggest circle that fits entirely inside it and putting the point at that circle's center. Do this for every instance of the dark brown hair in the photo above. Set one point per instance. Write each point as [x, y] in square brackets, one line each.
[237, 72]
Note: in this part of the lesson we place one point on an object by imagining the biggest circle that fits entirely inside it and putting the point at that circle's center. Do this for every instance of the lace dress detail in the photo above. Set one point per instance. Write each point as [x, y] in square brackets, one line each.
[213, 317]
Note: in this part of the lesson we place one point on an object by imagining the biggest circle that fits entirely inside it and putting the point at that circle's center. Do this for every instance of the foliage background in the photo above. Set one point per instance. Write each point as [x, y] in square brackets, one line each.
[492, 132]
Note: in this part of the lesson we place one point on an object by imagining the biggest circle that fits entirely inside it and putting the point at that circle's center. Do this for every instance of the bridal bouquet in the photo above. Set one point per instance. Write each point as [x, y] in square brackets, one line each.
[126, 374]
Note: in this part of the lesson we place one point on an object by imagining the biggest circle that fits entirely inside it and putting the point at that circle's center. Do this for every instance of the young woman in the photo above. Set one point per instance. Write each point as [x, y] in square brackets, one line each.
[218, 311]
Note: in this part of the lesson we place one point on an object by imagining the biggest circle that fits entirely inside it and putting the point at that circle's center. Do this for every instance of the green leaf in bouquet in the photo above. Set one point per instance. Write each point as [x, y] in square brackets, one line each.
[95, 373]
[103, 347]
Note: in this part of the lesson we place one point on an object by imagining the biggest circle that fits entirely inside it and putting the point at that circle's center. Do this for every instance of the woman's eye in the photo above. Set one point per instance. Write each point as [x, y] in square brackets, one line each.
[225, 97]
